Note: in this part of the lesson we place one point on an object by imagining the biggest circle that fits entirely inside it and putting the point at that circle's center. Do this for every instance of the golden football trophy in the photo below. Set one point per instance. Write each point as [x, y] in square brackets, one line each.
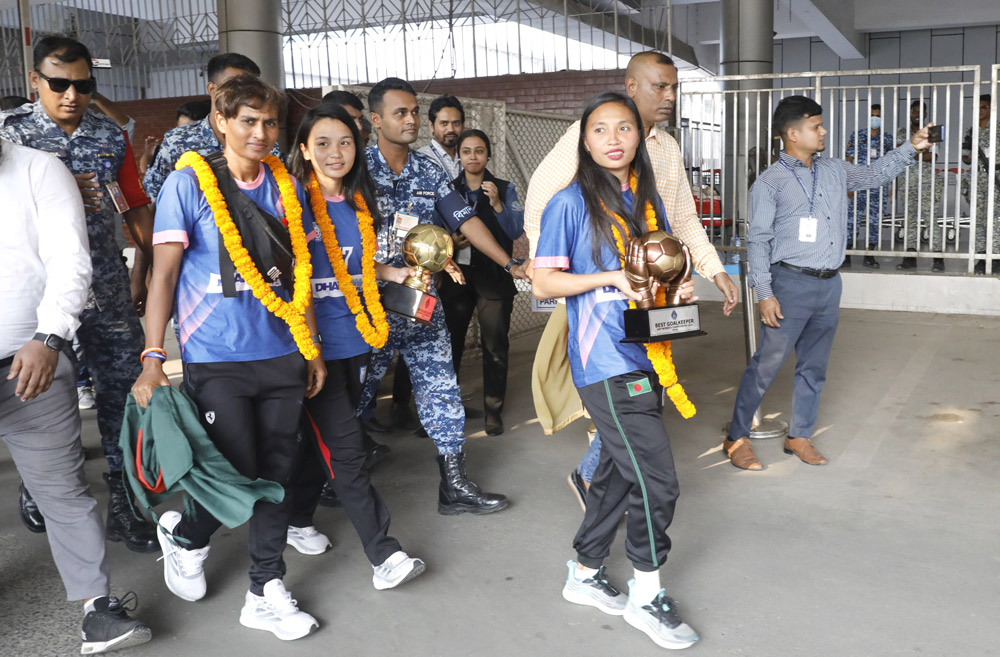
[659, 256]
[425, 248]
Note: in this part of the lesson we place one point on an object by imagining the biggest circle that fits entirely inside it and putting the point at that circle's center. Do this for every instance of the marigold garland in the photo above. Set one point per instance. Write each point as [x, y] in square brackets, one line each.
[292, 312]
[659, 353]
[376, 330]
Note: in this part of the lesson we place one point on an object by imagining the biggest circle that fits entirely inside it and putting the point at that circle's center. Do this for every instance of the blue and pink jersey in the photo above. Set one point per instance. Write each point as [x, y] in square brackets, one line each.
[596, 318]
[335, 320]
[214, 328]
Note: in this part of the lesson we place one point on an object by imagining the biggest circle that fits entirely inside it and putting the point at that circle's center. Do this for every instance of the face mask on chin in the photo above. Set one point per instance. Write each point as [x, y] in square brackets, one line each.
[876, 122]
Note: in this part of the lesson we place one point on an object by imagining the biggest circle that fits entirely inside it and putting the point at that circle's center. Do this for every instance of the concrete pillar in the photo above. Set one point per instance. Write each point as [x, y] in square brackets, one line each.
[253, 28]
[747, 47]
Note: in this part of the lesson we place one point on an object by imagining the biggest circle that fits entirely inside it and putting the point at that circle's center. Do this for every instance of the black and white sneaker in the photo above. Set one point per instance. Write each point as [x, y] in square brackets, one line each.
[109, 627]
[660, 621]
[594, 591]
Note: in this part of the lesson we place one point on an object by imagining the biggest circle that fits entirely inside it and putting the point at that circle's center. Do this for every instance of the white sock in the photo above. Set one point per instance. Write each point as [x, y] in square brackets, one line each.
[646, 585]
[581, 573]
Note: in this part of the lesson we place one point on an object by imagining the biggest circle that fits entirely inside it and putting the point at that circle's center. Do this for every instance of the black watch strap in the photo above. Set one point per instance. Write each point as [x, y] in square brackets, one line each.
[50, 340]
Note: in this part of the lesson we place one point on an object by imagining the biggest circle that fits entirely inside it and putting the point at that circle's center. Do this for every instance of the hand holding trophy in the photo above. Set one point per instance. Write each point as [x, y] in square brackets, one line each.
[425, 248]
[661, 257]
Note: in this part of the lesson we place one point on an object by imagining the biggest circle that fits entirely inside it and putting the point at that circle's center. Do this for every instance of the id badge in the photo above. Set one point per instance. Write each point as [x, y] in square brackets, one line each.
[807, 229]
[464, 256]
[117, 197]
[403, 223]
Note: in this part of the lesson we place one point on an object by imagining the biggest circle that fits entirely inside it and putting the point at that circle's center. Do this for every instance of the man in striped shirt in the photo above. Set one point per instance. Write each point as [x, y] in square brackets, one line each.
[796, 240]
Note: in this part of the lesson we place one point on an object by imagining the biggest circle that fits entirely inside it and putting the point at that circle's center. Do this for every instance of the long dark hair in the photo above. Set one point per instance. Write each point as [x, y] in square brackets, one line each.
[358, 179]
[602, 190]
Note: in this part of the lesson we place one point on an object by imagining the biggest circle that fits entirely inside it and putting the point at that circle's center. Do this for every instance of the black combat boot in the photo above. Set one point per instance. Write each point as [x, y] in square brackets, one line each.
[123, 524]
[459, 495]
[30, 515]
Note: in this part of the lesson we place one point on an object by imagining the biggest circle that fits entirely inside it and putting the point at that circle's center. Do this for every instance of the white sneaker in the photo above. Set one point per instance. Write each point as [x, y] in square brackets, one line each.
[85, 398]
[308, 540]
[397, 569]
[659, 620]
[183, 570]
[276, 612]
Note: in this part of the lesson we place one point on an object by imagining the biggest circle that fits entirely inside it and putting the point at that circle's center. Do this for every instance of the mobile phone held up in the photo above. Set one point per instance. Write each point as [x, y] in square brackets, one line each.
[935, 134]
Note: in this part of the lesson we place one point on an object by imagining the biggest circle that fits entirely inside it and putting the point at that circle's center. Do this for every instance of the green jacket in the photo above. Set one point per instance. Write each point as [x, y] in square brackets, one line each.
[167, 451]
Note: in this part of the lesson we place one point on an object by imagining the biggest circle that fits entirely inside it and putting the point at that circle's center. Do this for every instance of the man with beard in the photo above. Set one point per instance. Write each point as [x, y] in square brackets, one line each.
[446, 119]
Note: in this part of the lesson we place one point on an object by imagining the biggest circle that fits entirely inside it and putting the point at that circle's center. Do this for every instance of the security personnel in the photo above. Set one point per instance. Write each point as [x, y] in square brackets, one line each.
[412, 189]
[920, 185]
[98, 154]
[201, 136]
[978, 157]
[864, 147]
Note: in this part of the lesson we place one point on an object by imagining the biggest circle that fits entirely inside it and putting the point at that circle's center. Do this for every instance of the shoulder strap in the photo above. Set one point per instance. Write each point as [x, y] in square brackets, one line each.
[227, 270]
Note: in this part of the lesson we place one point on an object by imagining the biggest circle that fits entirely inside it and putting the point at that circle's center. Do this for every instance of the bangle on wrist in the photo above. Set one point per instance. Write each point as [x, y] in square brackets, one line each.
[153, 352]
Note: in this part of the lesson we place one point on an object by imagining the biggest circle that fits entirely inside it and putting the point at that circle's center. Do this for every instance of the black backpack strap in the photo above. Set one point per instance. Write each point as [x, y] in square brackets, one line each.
[227, 270]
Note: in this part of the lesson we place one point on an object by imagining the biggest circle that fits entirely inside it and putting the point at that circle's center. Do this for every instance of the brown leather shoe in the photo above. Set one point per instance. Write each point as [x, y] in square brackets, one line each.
[741, 454]
[803, 448]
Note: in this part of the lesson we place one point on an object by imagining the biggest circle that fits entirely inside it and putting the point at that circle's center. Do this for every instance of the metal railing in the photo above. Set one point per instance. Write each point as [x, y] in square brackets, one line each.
[727, 139]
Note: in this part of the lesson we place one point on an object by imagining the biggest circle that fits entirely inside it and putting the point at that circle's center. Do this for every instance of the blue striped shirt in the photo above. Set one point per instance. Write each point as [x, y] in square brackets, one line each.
[778, 201]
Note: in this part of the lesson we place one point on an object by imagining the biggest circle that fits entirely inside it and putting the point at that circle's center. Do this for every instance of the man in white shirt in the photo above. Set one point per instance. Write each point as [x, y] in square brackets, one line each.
[44, 284]
[446, 119]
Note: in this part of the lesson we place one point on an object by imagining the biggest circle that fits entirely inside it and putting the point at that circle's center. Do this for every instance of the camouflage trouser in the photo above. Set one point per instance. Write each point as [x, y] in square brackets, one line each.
[982, 214]
[112, 339]
[427, 352]
[871, 205]
[915, 185]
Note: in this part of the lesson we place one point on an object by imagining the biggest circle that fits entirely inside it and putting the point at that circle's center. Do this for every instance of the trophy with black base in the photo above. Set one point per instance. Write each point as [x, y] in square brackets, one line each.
[659, 256]
[425, 248]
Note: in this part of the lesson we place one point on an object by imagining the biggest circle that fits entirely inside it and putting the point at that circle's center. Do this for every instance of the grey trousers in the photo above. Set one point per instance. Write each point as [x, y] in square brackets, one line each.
[43, 436]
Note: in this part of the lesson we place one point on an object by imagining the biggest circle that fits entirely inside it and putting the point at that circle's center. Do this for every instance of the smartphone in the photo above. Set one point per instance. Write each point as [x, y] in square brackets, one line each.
[935, 134]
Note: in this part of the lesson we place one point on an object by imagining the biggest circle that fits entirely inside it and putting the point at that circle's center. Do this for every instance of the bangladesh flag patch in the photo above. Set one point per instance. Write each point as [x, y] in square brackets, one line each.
[639, 387]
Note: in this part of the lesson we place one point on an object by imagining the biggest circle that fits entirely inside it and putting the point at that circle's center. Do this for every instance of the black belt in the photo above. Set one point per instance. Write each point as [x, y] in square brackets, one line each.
[817, 273]
[6, 362]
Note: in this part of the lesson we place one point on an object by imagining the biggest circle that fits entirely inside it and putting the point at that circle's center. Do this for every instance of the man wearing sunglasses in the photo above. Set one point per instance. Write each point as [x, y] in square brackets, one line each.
[97, 153]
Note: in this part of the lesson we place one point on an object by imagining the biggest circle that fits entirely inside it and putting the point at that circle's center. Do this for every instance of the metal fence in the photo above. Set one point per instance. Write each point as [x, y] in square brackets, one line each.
[727, 139]
[159, 48]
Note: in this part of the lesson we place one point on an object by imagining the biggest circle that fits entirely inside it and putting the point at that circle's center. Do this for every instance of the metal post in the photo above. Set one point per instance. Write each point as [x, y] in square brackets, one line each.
[762, 427]
[27, 57]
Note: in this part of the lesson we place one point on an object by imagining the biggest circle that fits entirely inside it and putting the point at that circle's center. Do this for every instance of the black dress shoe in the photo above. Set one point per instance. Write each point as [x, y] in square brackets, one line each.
[30, 515]
[871, 263]
[374, 454]
[938, 266]
[329, 497]
[494, 425]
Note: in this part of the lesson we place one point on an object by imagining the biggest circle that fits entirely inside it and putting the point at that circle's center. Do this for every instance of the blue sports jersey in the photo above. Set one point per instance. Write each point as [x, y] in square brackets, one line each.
[214, 328]
[335, 320]
[596, 318]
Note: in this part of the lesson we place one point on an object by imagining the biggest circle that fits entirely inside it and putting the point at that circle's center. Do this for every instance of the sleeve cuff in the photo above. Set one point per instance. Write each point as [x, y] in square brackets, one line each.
[169, 236]
[551, 262]
[763, 291]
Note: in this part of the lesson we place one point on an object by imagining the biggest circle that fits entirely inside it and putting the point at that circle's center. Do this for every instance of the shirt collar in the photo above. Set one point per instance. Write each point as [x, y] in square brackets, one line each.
[88, 122]
[790, 161]
[207, 134]
[379, 160]
[439, 149]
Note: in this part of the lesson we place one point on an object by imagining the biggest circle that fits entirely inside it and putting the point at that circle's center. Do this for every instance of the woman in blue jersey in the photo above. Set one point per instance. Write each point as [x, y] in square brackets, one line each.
[579, 258]
[244, 366]
[350, 319]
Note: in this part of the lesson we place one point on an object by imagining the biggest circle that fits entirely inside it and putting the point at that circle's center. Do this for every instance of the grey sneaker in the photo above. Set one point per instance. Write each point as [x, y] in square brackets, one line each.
[594, 591]
[660, 621]
[398, 569]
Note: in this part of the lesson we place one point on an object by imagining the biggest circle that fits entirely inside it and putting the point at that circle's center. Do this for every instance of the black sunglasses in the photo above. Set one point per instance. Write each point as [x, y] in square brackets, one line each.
[60, 85]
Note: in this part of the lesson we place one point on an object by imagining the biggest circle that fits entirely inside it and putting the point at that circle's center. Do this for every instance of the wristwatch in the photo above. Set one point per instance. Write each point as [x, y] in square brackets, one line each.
[50, 340]
[513, 262]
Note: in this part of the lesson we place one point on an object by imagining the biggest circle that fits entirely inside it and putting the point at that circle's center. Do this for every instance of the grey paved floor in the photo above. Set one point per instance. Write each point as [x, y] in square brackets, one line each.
[892, 549]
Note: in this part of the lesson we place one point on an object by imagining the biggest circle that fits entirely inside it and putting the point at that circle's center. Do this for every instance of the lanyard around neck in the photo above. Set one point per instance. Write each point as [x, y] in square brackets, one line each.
[810, 198]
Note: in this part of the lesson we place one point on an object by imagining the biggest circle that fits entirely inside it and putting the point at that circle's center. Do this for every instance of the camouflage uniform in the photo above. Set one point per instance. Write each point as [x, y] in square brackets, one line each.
[197, 136]
[868, 203]
[110, 332]
[983, 183]
[916, 184]
[425, 349]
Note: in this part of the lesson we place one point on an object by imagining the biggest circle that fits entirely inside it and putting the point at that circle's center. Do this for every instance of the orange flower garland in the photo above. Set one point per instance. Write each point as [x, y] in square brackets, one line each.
[374, 331]
[658, 352]
[292, 312]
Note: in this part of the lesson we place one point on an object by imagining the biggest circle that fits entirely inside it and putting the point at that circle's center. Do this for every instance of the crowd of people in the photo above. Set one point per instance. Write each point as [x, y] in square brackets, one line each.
[269, 267]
